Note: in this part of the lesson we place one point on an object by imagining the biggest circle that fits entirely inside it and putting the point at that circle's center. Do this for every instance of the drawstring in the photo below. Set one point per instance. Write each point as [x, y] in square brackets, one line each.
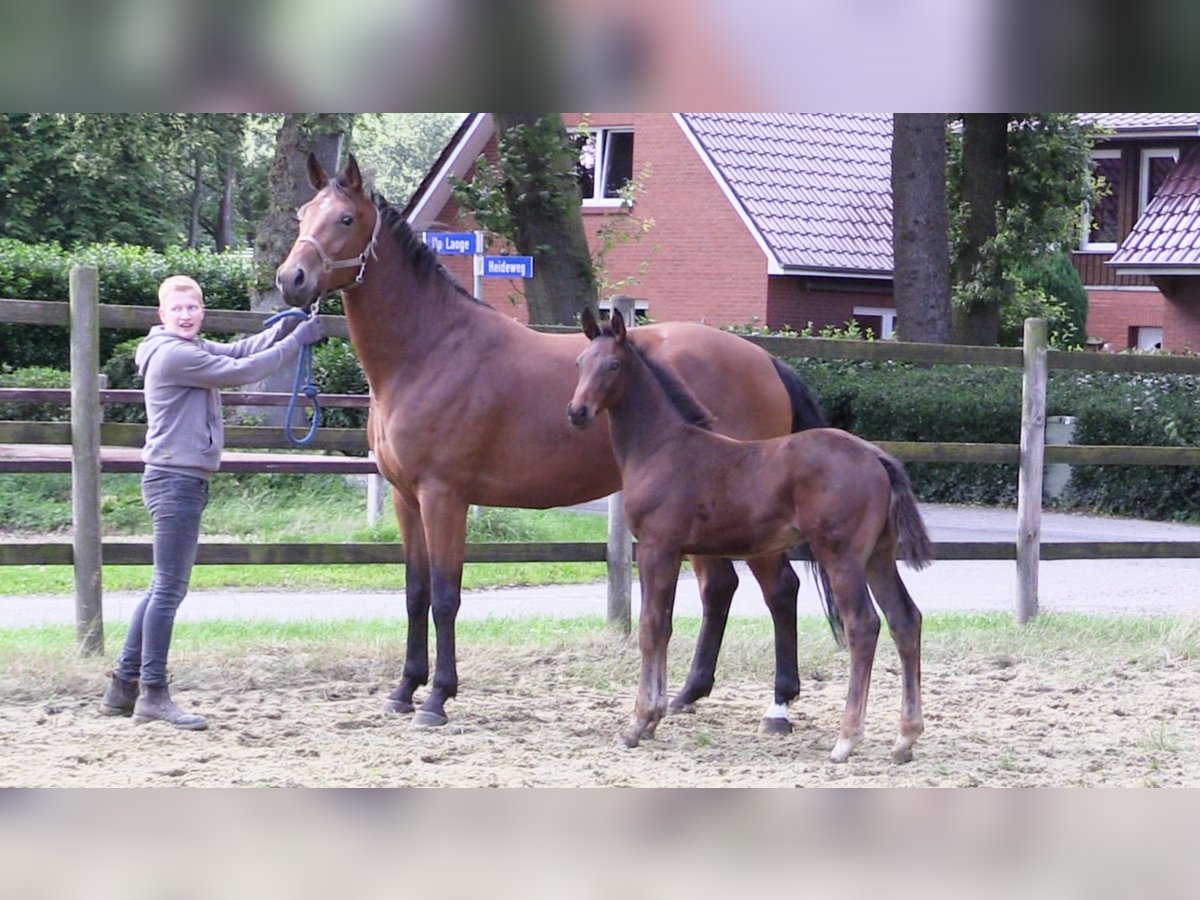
[302, 385]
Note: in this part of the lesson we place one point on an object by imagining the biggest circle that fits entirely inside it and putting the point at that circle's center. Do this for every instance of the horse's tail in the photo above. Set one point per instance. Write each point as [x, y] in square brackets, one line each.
[915, 548]
[807, 413]
[836, 625]
[806, 409]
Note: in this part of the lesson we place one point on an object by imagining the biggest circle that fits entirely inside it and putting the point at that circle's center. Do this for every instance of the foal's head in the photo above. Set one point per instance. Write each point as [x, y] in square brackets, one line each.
[338, 228]
[602, 368]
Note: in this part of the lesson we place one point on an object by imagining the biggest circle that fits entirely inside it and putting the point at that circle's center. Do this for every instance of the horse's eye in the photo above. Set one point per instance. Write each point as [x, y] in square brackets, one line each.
[347, 219]
[614, 365]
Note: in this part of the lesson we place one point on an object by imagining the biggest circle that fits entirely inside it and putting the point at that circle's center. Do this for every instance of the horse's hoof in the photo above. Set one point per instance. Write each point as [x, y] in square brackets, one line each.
[773, 725]
[393, 707]
[629, 740]
[902, 755]
[682, 708]
[423, 718]
[842, 750]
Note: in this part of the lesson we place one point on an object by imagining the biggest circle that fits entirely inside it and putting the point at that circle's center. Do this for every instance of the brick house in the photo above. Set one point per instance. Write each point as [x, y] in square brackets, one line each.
[784, 219]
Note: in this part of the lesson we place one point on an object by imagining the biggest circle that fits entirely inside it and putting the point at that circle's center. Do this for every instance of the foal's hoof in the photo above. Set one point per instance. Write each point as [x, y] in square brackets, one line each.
[423, 718]
[682, 708]
[393, 707]
[902, 756]
[771, 725]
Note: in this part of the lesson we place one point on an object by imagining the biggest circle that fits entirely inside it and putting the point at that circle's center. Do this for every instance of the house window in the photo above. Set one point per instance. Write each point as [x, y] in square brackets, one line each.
[1146, 337]
[1100, 221]
[641, 310]
[879, 321]
[605, 164]
[1156, 165]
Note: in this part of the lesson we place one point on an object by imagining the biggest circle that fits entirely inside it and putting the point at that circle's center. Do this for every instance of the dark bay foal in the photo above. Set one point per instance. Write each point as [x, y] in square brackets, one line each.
[690, 490]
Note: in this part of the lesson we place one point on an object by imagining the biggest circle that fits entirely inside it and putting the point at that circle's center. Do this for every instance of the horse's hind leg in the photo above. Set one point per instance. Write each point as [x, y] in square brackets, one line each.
[718, 581]
[416, 599]
[849, 587]
[780, 587]
[904, 622]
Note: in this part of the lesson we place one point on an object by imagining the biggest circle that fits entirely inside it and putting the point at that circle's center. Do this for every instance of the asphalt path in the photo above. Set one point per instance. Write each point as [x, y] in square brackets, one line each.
[1105, 587]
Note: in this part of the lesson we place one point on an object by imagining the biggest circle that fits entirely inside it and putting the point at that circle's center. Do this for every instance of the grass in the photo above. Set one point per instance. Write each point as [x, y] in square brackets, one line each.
[282, 509]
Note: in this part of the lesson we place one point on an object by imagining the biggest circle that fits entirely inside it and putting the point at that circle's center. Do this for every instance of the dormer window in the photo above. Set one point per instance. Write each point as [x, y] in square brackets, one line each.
[1100, 220]
[1157, 163]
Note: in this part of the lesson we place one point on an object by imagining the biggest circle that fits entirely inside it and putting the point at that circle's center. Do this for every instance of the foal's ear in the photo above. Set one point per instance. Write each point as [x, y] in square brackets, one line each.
[352, 175]
[618, 326]
[588, 321]
[316, 173]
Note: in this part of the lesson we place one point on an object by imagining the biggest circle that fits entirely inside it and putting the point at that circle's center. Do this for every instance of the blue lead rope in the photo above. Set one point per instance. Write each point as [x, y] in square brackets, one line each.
[303, 384]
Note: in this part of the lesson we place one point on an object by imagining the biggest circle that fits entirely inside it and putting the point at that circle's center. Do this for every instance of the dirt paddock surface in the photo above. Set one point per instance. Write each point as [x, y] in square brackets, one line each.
[283, 715]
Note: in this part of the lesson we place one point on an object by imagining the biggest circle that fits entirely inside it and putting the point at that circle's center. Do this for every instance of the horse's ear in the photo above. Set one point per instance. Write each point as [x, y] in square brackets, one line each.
[352, 175]
[316, 174]
[618, 326]
[588, 321]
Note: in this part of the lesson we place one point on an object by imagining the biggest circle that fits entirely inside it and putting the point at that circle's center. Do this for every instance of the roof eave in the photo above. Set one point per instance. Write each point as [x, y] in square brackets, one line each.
[830, 272]
[1148, 270]
[457, 158]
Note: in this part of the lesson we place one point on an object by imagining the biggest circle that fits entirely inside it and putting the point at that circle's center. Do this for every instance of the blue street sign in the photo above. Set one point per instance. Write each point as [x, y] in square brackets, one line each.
[452, 243]
[508, 266]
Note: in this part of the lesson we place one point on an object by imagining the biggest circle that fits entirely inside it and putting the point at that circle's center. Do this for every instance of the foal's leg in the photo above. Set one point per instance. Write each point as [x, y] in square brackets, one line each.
[658, 573]
[849, 587]
[780, 587]
[445, 518]
[904, 622]
[718, 581]
[416, 600]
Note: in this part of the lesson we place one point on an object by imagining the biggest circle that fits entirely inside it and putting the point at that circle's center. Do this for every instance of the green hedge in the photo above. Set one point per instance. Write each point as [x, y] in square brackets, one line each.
[892, 401]
[128, 276]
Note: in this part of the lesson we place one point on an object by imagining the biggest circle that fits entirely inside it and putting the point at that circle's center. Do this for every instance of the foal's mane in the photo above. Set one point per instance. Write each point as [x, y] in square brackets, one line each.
[424, 262]
[692, 410]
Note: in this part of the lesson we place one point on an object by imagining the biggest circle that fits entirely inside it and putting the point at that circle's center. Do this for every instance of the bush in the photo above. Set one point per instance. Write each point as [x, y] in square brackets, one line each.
[128, 276]
[897, 402]
[35, 377]
[336, 370]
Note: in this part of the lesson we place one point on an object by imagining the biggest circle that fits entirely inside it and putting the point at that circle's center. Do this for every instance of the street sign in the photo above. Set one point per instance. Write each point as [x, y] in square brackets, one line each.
[452, 243]
[508, 266]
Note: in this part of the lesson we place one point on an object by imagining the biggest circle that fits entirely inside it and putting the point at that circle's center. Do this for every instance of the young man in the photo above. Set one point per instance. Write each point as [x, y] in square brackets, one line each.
[182, 375]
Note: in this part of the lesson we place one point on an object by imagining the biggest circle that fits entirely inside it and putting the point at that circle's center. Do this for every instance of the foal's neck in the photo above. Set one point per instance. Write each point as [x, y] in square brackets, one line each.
[644, 419]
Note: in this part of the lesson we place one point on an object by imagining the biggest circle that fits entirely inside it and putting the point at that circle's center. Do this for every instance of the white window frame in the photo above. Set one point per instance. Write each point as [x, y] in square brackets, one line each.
[641, 308]
[1144, 172]
[887, 319]
[600, 167]
[1146, 336]
[1086, 218]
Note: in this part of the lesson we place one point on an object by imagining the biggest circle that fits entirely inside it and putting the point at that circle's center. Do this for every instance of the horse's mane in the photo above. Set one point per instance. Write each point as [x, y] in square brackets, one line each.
[693, 411]
[424, 262]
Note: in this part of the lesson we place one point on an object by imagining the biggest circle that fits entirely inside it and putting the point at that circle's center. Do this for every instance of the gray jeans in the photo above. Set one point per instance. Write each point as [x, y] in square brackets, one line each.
[175, 502]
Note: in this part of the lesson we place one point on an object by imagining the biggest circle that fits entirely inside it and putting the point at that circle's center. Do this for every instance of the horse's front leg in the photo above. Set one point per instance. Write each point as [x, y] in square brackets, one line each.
[658, 574]
[445, 516]
[416, 600]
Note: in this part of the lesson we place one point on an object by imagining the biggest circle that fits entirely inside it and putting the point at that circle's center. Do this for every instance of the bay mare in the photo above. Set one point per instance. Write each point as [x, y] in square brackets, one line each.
[467, 408]
[690, 490]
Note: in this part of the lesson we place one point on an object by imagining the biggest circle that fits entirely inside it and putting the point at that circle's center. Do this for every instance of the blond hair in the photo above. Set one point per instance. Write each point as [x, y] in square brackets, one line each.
[179, 284]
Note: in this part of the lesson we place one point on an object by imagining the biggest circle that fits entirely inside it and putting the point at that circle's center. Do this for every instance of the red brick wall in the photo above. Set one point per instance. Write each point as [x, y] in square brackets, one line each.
[795, 302]
[1111, 315]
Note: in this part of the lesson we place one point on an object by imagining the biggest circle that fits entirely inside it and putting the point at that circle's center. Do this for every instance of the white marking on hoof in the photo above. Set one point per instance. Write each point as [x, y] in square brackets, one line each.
[842, 750]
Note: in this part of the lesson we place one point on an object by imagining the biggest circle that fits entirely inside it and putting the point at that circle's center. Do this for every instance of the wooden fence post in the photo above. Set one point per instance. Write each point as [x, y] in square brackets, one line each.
[1029, 481]
[620, 542]
[86, 413]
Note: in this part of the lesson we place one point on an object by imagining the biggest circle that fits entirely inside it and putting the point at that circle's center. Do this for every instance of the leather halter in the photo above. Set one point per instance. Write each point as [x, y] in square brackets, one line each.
[368, 252]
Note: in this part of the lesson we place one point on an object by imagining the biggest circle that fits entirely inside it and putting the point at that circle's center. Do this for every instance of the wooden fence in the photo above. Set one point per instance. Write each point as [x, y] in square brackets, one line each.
[97, 447]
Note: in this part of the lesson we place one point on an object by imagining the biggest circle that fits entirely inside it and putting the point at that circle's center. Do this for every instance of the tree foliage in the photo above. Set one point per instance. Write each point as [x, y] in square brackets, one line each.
[396, 150]
[1048, 179]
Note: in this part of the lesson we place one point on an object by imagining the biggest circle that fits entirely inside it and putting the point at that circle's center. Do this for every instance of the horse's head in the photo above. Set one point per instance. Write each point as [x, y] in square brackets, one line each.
[338, 229]
[602, 368]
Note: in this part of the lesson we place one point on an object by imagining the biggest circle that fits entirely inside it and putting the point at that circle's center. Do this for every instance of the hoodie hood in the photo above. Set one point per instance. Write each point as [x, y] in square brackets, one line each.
[151, 344]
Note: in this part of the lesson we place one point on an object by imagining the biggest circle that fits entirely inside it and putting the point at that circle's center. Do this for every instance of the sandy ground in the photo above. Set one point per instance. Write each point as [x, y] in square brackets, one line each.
[549, 716]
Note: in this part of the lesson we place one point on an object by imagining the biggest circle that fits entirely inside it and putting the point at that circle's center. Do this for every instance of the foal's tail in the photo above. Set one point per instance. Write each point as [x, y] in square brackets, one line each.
[904, 518]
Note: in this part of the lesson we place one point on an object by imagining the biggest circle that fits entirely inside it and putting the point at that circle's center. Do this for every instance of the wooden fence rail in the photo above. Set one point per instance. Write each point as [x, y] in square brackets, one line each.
[46, 446]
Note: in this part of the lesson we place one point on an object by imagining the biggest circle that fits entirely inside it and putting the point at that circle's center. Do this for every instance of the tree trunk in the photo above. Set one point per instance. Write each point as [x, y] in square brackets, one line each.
[224, 236]
[920, 229]
[289, 189]
[544, 200]
[985, 174]
[193, 239]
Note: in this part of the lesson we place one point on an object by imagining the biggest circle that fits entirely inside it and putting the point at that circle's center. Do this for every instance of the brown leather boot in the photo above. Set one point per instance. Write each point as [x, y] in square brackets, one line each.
[154, 704]
[120, 697]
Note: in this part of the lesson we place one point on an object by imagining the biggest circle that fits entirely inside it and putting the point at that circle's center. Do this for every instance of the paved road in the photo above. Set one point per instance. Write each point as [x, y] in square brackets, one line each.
[1096, 586]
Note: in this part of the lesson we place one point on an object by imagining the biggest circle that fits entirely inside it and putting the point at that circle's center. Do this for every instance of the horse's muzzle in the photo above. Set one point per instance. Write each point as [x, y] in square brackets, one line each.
[579, 415]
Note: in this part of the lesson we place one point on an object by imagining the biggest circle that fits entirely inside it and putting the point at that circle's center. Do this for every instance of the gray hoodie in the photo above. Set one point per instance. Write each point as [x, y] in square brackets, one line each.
[182, 377]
